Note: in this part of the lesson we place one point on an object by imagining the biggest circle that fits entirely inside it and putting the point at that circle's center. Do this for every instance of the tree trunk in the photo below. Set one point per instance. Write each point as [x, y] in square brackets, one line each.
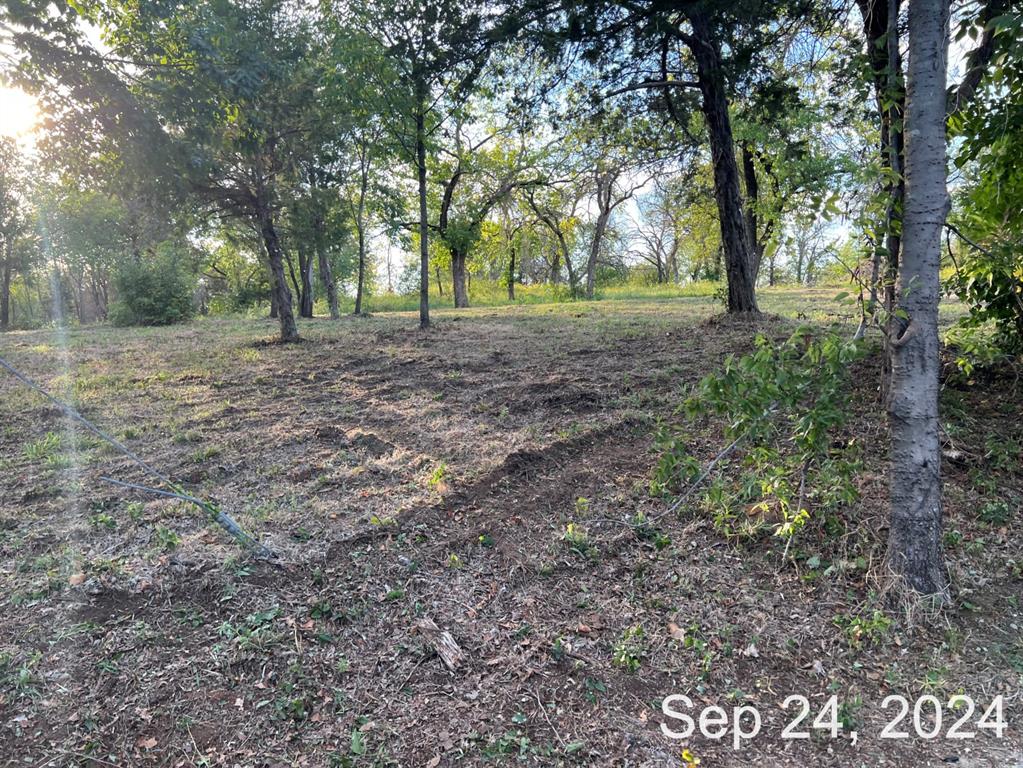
[458, 279]
[5, 295]
[360, 225]
[880, 28]
[305, 265]
[734, 237]
[511, 275]
[327, 278]
[361, 287]
[914, 544]
[591, 262]
[424, 224]
[757, 247]
[556, 265]
[278, 282]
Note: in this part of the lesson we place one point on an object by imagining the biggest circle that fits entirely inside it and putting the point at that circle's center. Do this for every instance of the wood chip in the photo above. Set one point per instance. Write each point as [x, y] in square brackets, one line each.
[442, 642]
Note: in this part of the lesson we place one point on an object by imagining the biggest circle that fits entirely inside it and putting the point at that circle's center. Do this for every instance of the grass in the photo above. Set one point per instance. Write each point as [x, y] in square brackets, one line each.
[456, 475]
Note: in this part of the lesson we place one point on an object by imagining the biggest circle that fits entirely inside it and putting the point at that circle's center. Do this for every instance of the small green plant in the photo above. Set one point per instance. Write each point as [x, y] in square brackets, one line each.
[995, 513]
[454, 561]
[439, 477]
[576, 538]
[254, 632]
[45, 448]
[23, 680]
[166, 539]
[861, 630]
[103, 520]
[630, 649]
[136, 510]
[595, 689]
[783, 405]
[1003, 454]
[205, 454]
[952, 539]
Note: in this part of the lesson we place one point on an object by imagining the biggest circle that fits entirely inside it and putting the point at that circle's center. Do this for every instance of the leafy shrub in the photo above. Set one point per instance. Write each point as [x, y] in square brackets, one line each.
[783, 405]
[991, 283]
[152, 292]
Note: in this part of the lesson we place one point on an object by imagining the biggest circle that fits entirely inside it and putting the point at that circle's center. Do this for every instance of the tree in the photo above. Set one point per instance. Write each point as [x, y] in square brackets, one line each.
[914, 545]
[806, 237]
[612, 187]
[434, 51]
[234, 86]
[557, 208]
[15, 223]
[673, 50]
[479, 175]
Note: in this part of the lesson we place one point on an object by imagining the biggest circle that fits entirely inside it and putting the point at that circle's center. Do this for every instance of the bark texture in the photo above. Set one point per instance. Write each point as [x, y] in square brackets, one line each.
[359, 213]
[327, 278]
[360, 227]
[424, 223]
[5, 295]
[914, 545]
[511, 275]
[739, 258]
[278, 282]
[305, 265]
[458, 279]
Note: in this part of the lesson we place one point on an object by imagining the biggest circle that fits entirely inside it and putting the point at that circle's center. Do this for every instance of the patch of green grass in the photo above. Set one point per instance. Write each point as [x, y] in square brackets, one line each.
[205, 454]
[864, 629]
[45, 448]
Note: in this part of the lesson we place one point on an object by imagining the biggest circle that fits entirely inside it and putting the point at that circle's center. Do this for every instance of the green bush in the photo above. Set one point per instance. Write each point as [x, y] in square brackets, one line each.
[785, 406]
[991, 283]
[154, 292]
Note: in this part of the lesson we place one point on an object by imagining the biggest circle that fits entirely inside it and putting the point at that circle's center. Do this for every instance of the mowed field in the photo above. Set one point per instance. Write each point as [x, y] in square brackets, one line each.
[407, 476]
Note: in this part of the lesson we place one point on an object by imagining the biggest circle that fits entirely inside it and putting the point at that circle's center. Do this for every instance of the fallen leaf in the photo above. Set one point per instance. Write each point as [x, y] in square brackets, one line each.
[76, 579]
[148, 743]
[676, 631]
[433, 762]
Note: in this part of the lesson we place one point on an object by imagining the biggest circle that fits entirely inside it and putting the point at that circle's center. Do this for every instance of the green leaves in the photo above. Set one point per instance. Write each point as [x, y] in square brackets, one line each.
[788, 402]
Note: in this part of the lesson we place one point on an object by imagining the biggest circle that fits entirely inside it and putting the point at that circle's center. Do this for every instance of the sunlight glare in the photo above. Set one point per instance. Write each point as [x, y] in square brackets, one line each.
[19, 113]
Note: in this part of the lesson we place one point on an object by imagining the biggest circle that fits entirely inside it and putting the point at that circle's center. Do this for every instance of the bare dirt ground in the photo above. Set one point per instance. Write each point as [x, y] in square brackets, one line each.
[405, 476]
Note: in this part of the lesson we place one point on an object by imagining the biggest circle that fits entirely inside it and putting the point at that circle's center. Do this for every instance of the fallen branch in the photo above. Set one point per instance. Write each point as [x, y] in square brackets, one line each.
[703, 475]
[221, 518]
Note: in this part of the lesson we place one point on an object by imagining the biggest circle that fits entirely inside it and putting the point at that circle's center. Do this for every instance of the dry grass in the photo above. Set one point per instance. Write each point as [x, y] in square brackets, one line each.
[407, 475]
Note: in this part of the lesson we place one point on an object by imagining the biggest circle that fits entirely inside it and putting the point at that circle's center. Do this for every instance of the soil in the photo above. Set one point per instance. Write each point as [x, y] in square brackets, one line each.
[402, 476]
